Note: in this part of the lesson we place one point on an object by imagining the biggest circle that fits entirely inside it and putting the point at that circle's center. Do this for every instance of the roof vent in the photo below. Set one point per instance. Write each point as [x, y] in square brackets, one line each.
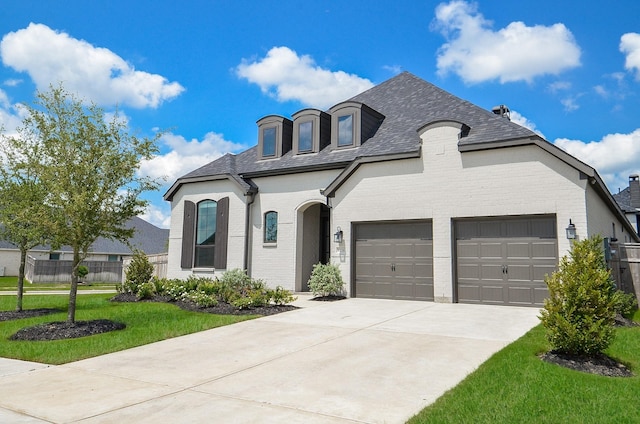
[503, 111]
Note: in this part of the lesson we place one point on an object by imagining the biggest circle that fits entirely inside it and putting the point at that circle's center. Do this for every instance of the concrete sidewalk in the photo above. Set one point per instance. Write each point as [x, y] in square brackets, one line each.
[352, 361]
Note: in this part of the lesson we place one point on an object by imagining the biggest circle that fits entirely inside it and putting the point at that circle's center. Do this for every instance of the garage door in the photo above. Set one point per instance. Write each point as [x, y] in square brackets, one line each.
[504, 260]
[394, 260]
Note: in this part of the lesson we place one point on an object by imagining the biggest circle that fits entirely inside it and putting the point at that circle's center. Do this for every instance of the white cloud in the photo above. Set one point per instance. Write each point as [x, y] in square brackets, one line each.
[158, 216]
[570, 104]
[630, 45]
[94, 73]
[12, 82]
[557, 86]
[477, 53]
[185, 156]
[615, 156]
[11, 115]
[286, 76]
[521, 120]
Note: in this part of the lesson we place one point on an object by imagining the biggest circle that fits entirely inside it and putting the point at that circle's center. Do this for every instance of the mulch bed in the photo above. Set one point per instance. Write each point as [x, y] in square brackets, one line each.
[64, 330]
[220, 309]
[599, 365]
[26, 313]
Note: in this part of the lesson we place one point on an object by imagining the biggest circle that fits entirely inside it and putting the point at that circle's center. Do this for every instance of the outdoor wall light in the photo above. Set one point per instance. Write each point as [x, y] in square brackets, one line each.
[337, 237]
[571, 231]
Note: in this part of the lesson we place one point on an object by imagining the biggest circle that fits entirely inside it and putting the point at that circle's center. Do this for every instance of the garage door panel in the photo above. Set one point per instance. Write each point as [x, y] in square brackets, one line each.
[504, 260]
[516, 273]
[468, 249]
[490, 250]
[489, 272]
[519, 295]
[492, 294]
[468, 293]
[518, 250]
[540, 271]
[395, 261]
[544, 250]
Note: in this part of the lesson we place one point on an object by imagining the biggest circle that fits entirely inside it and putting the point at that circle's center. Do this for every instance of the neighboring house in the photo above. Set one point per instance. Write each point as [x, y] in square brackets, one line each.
[413, 192]
[629, 201]
[147, 237]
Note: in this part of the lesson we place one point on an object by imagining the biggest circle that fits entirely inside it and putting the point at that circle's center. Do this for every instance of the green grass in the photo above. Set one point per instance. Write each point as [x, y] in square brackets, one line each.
[515, 386]
[146, 322]
[11, 284]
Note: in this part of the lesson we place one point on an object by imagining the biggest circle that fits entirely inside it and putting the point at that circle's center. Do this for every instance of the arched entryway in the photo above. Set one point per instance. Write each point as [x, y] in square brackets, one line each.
[313, 241]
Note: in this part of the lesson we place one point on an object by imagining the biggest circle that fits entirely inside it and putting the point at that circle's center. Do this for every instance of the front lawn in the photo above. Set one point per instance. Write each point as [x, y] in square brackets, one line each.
[146, 322]
[11, 284]
[515, 386]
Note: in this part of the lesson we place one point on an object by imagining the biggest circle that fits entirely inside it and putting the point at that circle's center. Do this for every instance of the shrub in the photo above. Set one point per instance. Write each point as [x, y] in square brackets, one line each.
[138, 272]
[326, 280]
[82, 271]
[145, 290]
[281, 296]
[202, 299]
[625, 304]
[579, 314]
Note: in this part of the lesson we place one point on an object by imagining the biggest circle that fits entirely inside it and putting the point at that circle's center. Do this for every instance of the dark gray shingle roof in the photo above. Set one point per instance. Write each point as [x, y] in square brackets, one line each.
[147, 237]
[407, 102]
[623, 199]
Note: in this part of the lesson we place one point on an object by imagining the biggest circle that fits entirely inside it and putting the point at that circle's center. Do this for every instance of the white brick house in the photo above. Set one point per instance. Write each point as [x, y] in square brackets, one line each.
[433, 198]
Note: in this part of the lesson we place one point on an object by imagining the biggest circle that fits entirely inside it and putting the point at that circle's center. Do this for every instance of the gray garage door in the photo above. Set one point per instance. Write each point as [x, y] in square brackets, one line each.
[504, 260]
[394, 260]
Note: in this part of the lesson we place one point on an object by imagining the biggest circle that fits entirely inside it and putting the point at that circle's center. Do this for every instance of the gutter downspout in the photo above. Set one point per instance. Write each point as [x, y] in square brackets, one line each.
[251, 196]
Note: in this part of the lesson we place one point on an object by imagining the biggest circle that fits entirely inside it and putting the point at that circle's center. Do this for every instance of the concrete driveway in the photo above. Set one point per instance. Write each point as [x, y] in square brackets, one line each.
[352, 361]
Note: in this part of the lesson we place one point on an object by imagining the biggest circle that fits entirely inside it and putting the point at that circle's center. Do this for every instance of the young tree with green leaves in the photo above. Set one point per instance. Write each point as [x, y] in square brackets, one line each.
[22, 215]
[579, 313]
[88, 166]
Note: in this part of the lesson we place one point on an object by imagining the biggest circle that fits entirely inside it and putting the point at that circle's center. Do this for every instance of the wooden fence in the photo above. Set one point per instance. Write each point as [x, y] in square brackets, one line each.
[158, 261]
[48, 271]
[625, 267]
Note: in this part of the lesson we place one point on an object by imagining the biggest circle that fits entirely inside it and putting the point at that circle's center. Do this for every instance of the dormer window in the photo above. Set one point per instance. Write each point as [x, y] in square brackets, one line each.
[311, 131]
[274, 136]
[345, 131]
[269, 141]
[352, 124]
[305, 137]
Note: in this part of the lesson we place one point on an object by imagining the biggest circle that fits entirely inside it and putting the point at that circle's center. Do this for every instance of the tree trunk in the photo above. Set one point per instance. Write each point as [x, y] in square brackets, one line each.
[73, 292]
[23, 260]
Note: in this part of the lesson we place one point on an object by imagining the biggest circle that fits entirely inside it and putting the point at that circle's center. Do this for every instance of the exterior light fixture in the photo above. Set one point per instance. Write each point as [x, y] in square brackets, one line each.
[337, 236]
[571, 231]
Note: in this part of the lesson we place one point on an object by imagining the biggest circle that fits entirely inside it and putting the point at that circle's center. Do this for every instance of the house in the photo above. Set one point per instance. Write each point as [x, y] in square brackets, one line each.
[413, 192]
[147, 237]
[629, 201]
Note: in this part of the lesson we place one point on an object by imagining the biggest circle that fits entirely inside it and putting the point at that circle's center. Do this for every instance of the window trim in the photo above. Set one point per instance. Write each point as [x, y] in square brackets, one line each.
[283, 136]
[275, 141]
[320, 130]
[187, 259]
[339, 111]
[264, 233]
[199, 247]
[312, 145]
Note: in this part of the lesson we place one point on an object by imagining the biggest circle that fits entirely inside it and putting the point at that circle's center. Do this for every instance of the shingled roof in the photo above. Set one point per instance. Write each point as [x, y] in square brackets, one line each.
[147, 237]
[407, 102]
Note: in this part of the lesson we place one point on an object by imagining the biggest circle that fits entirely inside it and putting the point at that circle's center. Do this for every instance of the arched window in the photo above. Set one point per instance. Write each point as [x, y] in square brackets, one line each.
[205, 233]
[271, 227]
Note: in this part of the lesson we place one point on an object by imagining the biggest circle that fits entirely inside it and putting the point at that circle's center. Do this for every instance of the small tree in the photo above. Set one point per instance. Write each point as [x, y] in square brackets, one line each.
[579, 313]
[88, 167]
[23, 218]
[138, 273]
[326, 280]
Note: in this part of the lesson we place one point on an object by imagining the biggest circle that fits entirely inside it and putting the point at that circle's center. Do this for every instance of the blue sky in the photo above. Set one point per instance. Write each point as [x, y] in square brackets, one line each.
[206, 71]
